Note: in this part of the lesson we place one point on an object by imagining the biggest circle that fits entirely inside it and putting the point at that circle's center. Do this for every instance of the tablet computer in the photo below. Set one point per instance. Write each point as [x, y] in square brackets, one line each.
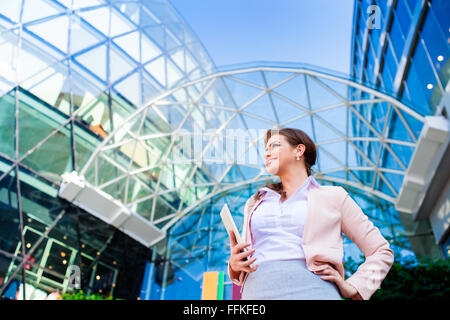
[228, 221]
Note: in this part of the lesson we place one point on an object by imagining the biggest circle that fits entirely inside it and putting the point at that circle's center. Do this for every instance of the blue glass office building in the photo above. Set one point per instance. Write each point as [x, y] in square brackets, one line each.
[402, 48]
[114, 120]
[405, 51]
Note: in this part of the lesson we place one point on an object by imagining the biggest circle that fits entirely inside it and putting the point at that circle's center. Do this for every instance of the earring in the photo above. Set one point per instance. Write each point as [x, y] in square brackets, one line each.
[298, 158]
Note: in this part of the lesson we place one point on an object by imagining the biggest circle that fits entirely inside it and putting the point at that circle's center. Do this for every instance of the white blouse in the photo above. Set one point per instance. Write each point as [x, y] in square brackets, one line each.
[277, 227]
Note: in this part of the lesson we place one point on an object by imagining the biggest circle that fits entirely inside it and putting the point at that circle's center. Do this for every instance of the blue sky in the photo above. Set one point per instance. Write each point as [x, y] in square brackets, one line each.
[316, 32]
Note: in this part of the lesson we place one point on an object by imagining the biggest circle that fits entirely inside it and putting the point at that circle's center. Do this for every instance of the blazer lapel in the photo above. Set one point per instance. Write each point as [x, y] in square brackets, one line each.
[251, 209]
[310, 213]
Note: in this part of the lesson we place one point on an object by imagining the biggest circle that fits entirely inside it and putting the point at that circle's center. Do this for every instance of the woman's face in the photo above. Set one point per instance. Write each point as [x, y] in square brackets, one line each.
[280, 155]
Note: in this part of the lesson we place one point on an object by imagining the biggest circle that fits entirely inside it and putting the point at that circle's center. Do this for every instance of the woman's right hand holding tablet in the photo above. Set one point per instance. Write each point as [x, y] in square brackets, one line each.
[239, 260]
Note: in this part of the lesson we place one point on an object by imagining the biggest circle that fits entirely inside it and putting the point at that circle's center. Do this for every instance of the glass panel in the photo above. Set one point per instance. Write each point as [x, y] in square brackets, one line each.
[390, 63]
[95, 61]
[437, 46]
[412, 5]
[338, 116]
[131, 10]
[150, 89]
[242, 93]
[416, 85]
[103, 279]
[320, 96]
[383, 6]
[119, 24]
[404, 153]
[10, 9]
[148, 18]
[57, 261]
[440, 9]
[130, 43]
[53, 157]
[119, 65]
[358, 56]
[156, 35]
[173, 73]
[82, 38]
[397, 129]
[54, 31]
[424, 70]
[31, 239]
[39, 200]
[9, 226]
[340, 88]
[98, 18]
[121, 110]
[262, 107]
[131, 89]
[375, 37]
[96, 112]
[8, 53]
[49, 86]
[403, 16]
[148, 49]
[362, 22]
[387, 80]
[85, 143]
[171, 41]
[158, 10]
[157, 70]
[7, 124]
[370, 63]
[178, 58]
[397, 38]
[31, 63]
[37, 9]
[284, 110]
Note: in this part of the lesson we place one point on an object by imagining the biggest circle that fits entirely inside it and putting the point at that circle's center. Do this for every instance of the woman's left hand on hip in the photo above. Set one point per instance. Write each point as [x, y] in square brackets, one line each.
[331, 274]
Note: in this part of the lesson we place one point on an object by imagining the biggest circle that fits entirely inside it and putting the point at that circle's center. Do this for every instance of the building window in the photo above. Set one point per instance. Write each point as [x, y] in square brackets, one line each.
[390, 62]
[397, 38]
[440, 9]
[404, 17]
[438, 47]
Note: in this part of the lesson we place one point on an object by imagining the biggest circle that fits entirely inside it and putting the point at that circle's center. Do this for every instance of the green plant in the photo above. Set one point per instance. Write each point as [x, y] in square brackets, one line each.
[426, 280]
[80, 295]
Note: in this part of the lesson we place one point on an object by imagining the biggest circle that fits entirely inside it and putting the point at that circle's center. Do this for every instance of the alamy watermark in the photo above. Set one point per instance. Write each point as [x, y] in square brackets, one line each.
[74, 277]
[374, 278]
[230, 146]
[374, 18]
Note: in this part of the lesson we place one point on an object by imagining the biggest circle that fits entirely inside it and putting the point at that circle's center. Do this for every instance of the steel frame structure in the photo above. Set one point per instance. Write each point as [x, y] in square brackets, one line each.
[164, 38]
[208, 86]
[365, 155]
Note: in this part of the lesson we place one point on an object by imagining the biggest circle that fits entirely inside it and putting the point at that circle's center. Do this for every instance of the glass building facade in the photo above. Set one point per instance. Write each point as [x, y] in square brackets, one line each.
[402, 47]
[404, 51]
[124, 94]
[70, 72]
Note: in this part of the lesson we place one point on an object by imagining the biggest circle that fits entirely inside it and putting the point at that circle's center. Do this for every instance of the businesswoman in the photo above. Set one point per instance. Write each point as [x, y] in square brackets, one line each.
[293, 229]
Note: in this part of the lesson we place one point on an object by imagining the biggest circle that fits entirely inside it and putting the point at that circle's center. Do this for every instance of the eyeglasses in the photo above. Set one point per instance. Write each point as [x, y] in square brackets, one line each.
[272, 145]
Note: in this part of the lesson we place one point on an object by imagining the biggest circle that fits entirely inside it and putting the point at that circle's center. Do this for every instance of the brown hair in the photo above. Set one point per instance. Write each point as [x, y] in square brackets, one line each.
[294, 137]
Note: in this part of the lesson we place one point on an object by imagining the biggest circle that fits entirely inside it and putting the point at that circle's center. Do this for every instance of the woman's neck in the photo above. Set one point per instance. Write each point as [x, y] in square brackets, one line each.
[293, 180]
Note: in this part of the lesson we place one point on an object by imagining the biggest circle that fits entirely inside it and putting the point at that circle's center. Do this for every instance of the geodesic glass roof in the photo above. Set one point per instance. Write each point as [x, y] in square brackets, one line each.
[204, 139]
[133, 49]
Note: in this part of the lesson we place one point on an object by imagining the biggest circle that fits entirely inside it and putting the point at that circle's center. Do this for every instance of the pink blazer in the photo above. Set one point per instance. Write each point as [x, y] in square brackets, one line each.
[332, 211]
